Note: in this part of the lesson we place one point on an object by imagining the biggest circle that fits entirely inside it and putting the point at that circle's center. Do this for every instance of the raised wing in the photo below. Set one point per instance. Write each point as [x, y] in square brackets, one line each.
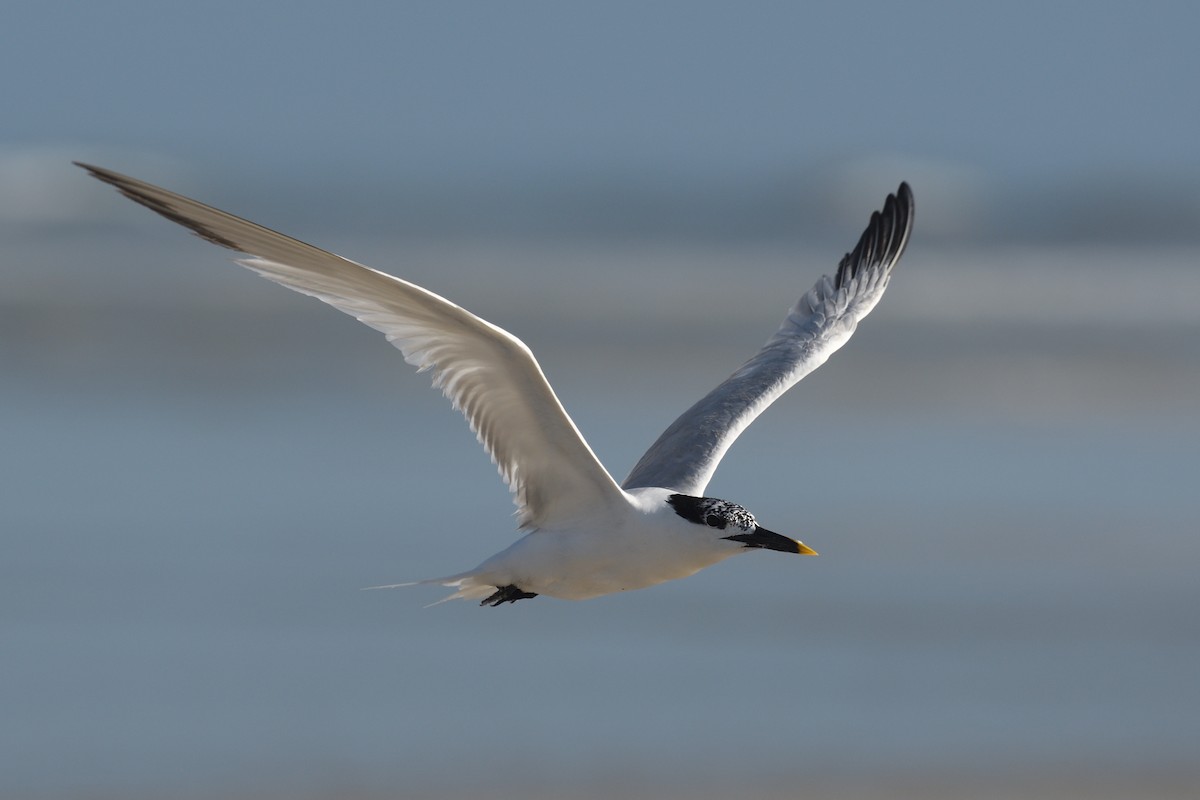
[486, 372]
[686, 455]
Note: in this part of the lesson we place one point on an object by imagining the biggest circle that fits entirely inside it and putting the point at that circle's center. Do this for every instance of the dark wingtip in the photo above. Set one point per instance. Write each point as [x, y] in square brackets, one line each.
[158, 200]
[885, 238]
[101, 174]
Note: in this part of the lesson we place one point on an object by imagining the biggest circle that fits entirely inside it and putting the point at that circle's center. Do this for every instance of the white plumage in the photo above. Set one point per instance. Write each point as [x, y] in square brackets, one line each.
[586, 536]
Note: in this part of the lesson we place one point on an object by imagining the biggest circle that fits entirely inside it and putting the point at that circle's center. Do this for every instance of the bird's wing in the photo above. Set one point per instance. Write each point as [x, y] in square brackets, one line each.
[687, 453]
[486, 372]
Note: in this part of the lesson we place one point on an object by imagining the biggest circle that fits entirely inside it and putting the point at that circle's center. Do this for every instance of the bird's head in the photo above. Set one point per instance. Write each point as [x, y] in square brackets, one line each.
[734, 523]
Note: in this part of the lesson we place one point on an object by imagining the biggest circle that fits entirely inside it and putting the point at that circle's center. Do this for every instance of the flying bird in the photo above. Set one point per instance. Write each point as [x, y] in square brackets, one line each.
[586, 535]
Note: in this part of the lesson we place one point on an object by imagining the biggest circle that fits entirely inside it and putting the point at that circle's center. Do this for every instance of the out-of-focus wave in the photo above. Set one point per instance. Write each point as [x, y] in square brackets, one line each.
[805, 200]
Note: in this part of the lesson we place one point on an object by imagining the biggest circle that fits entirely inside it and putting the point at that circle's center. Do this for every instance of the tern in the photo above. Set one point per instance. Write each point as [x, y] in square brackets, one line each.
[586, 536]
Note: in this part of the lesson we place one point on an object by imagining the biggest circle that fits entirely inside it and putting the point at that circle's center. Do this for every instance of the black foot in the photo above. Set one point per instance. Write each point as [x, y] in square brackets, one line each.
[507, 594]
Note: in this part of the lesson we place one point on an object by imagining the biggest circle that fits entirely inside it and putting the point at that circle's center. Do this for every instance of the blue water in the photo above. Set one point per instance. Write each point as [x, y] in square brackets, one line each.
[1007, 522]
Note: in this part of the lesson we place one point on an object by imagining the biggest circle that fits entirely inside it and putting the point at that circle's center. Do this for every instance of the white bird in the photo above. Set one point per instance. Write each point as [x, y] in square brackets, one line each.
[586, 535]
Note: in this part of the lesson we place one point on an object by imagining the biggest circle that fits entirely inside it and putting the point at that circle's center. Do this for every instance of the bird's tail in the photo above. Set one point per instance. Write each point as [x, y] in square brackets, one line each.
[468, 584]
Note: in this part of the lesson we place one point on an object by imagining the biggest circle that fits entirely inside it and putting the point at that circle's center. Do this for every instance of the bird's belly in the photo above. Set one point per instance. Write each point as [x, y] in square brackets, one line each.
[578, 567]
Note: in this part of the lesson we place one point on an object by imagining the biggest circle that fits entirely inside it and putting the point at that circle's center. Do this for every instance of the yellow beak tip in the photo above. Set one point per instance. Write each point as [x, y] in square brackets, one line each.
[805, 550]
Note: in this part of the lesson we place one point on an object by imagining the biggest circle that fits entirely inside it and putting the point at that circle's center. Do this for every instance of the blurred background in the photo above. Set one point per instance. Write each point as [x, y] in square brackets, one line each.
[198, 470]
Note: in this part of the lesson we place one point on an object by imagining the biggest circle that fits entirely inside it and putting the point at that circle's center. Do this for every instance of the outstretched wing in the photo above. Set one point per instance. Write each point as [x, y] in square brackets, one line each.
[486, 372]
[686, 455]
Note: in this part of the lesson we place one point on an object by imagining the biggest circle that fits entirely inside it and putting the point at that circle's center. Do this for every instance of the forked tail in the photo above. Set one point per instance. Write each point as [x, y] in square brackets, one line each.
[469, 587]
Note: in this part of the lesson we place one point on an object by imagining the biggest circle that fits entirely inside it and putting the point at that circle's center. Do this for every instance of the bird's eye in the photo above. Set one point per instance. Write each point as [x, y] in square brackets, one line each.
[715, 521]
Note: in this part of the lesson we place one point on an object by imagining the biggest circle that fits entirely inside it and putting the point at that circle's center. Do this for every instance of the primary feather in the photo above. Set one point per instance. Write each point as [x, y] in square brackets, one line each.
[486, 372]
[687, 453]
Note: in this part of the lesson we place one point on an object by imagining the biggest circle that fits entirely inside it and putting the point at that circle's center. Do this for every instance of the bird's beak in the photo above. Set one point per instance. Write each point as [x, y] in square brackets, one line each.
[770, 540]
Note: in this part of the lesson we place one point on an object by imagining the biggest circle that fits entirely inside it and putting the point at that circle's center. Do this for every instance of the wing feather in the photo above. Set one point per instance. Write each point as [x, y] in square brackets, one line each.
[487, 373]
[686, 455]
